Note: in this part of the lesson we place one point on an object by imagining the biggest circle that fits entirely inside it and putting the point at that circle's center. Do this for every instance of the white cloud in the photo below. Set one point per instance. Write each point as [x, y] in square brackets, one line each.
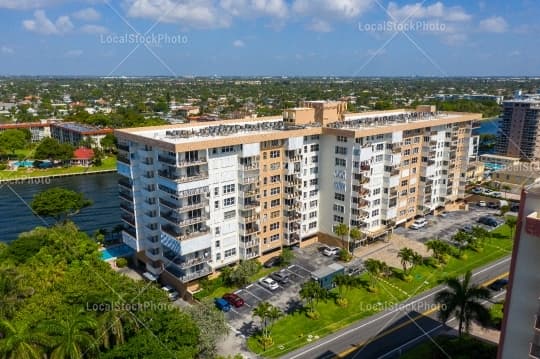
[88, 14]
[494, 24]
[189, 13]
[271, 8]
[238, 43]
[436, 11]
[7, 50]
[318, 25]
[41, 24]
[332, 9]
[94, 29]
[73, 53]
[27, 4]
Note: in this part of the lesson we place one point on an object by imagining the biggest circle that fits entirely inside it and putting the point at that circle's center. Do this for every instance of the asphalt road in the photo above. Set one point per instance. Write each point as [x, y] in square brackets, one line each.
[390, 328]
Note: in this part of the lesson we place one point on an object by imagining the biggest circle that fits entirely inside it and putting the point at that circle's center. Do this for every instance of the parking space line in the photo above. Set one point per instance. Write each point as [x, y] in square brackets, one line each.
[266, 290]
[294, 273]
[253, 295]
[299, 266]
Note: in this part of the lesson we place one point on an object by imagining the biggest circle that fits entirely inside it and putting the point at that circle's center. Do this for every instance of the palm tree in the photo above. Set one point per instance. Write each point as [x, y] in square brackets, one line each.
[405, 254]
[356, 234]
[274, 313]
[312, 292]
[463, 299]
[263, 311]
[341, 281]
[463, 239]
[342, 230]
[19, 341]
[438, 248]
[72, 337]
[111, 327]
[12, 291]
[373, 267]
[511, 222]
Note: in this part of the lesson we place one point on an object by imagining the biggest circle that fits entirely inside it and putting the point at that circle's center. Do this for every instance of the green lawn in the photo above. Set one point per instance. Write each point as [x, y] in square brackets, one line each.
[108, 163]
[296, 330]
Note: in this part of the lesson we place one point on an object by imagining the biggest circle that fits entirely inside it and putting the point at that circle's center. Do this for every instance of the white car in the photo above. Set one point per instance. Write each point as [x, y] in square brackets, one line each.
[496, 194]
[330, 251]
[482, 204]
[477, 190]
[171, 293]
[419, 223]
[268, 283]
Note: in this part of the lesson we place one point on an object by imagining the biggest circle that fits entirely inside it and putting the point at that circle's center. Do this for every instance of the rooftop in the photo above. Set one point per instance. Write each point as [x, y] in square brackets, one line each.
[369, 120]
[82, 128]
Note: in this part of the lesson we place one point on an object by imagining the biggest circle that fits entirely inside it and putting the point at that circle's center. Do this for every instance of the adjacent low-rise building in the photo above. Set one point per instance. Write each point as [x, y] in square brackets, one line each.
[38, 130]
[200, 196]
[76, 133]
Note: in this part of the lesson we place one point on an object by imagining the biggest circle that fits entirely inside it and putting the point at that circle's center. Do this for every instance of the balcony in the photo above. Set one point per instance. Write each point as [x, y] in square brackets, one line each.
[248, 180]
[122, 147]
[363, 191]
[249, 219]
[394, 172]
[250, 204]
[362, 203]
[186, 276]
[124, 182]
[183, 235]
[123, 158]
[396, 149]
[249, 167]
[126, 195]
[127, 208]
[179, 207]
[183, 179]
[365, 167]
[192, 162]
[250, 255]
[249, 230]
[128, 219]
[131, 231]
[249, 244]
[167, 159]
[182, 222]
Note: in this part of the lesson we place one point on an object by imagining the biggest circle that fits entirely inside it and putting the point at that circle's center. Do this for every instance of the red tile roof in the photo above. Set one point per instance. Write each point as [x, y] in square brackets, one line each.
[83, 153]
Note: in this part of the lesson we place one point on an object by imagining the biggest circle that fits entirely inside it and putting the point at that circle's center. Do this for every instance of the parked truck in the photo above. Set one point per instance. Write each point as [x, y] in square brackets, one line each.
[325, 276]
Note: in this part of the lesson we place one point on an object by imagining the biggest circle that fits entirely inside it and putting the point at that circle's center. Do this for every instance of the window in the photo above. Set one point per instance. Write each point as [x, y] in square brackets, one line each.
[216, 191]
[274, 154]
[376, 191]
[414, 160]
[228, 201]
[339, 196]
[275, 178]
[314, 182]
[217, 231]
[313, 214]
[218, 256]
[415, 150]
[412, 189]
[274, 237]
[379, 147]
[407, 141]
[376, 202]
[229, 214]
[341, 139]
[404, 182]
[314, 147]
[217, 243]
[341, 162]
[407, 152]
[338, 219]
[374, 213]
[313, 203]
[274, 226]
[314, 159]
[216, 204]
[227, 149]
[313, 192]
[230, 252]
[228, 188]
[312, 225]
[379, 158]
[275, 166]
[275, 191]
[313, 170]
[339, 208]
[341, 150]
[274, 202]
[274, 214]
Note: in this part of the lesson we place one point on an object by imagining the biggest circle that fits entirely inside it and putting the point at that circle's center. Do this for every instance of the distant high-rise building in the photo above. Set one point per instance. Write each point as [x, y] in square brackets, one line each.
[197, 197]
[520, 334]
[520, 128]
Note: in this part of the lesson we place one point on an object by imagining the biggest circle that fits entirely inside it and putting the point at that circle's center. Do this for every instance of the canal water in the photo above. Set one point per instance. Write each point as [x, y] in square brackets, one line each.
[102, 189]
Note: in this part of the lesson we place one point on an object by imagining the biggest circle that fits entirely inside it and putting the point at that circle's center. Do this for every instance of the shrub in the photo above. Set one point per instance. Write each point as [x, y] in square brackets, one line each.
[3, 166]
[344, 255]
[121, 262]
[342, 302]
[313, 314]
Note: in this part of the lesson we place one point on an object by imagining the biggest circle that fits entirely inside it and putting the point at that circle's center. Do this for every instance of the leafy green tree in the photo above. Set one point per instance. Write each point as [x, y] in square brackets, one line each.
[463, 299]
[312, 292]
[355, 234]
[111, 326]
[13, 140]
[13, 290]
[59, 203]
[108, 142]
[72, 336]
[511, 222]
[212, 323]
[19, 341]
[240, 276]
[342, 230]
[50, 148]
[287, 256]
[373, 267]
[463, 239]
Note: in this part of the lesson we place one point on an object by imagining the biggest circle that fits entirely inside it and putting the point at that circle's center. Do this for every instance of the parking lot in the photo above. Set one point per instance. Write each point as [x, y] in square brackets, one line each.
[285, 298]
[444, 228]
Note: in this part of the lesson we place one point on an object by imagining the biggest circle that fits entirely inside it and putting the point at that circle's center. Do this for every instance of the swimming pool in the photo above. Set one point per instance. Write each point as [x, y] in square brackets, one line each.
[493, 166]
[25, 163]
[121, 250]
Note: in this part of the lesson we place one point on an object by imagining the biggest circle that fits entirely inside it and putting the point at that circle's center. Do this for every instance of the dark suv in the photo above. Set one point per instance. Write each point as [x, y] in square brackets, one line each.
[282, 277]
[488, 221]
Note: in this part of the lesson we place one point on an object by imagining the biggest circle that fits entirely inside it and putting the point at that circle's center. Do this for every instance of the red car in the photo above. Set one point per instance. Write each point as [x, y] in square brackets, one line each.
[234, 299]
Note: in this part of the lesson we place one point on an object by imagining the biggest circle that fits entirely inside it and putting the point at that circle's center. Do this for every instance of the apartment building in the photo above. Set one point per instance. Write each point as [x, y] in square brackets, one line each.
[197, 197]
[519, 128]
[74, 133]
[520, 333]
[38, 130]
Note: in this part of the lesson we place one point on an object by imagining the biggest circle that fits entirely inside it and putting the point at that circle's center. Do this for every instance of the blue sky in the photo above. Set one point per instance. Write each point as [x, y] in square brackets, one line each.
[270, 37]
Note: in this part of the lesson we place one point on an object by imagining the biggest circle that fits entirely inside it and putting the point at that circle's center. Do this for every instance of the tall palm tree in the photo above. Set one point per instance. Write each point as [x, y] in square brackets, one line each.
[110, 329]
[262, 311]
[373, 267]
[274, 313]
[405, 255]
[72, 337]
[19, 341]
[511, 222]
[463, 299]
[342, 230]
[438, 248]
